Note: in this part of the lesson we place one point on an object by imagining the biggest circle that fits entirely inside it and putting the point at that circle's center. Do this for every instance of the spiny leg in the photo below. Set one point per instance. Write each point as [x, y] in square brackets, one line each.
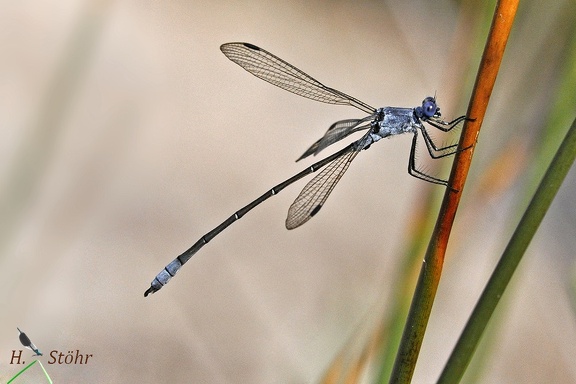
[444, 126]
[415, 172]
[432, 148]
[447, 125]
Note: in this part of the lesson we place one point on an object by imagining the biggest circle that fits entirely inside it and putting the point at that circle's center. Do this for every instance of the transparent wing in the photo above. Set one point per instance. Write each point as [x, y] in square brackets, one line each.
[276, 71]
[315, 193]
[337, 132]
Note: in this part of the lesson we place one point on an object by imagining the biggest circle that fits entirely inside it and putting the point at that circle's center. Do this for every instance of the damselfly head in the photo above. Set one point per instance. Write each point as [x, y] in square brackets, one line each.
[428, 109]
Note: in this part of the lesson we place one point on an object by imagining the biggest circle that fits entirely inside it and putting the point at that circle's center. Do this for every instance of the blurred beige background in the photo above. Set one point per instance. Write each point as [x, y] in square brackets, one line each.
[126, 135]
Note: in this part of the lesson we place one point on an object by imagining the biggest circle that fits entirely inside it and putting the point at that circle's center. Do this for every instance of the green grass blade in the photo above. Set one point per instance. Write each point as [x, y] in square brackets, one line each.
[22, 371]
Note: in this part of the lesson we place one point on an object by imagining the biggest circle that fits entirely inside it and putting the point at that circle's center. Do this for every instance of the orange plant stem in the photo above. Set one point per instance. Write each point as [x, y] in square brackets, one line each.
[432, 266]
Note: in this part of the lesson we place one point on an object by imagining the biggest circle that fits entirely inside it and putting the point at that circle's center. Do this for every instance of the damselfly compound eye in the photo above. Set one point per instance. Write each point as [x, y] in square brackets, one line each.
[429, 107]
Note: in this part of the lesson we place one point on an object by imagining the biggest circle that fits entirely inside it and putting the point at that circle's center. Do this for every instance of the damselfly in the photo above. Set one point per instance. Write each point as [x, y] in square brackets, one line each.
[380, 123]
